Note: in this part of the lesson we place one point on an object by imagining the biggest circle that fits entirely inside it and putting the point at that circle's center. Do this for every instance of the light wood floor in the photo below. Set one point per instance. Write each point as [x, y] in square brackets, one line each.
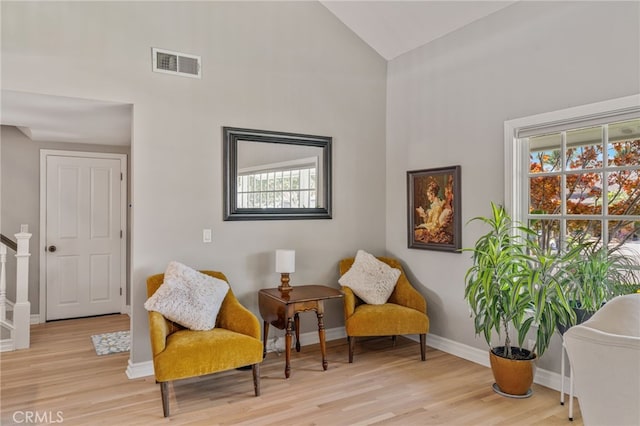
[385, 385]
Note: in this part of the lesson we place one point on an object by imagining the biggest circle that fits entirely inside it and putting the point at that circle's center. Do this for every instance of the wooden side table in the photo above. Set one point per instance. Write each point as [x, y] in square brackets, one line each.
[281, 310]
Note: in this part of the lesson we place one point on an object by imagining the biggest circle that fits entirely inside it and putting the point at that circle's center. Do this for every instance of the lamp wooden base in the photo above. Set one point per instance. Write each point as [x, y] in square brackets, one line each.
[284, 286]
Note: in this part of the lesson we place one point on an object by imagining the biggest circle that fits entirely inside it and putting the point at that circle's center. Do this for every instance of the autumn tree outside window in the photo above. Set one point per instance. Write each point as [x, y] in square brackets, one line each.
[576, 174]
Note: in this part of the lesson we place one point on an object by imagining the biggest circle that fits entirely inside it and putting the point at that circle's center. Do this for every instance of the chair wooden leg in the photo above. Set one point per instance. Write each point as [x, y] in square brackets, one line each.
[423, 347]
[164, 391]
[394, 338]
[256, 378]
[352, 346]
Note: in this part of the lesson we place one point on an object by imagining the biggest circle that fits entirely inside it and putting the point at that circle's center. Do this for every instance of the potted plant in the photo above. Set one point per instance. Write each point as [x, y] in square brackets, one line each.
[602, 274]
[516, 283]
[590, 287]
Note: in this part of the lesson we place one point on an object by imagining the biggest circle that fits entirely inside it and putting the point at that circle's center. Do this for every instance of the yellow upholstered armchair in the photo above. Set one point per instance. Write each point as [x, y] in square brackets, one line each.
[404, 313]
[179, 353]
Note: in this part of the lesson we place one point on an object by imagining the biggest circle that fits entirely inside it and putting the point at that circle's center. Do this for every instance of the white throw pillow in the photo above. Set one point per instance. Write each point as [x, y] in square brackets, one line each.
[370, 279]
[188, 297]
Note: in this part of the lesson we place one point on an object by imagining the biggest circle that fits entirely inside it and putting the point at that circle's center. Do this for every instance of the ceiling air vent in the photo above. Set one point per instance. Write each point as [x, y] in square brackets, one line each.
[176, 63]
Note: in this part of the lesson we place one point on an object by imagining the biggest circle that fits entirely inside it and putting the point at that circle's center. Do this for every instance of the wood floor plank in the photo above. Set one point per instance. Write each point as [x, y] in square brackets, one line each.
[385, 385]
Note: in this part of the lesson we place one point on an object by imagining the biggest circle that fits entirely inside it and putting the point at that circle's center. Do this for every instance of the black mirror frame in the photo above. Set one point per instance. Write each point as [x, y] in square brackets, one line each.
[231, 136]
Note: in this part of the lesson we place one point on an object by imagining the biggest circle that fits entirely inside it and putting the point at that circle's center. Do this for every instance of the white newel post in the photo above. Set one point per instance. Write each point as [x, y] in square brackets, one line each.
[3, 282]
[22, 307]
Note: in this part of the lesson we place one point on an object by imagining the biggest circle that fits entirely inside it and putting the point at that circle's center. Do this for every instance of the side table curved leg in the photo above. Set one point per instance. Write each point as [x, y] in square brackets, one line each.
[287, 349]
[321, 336]
[296, 321]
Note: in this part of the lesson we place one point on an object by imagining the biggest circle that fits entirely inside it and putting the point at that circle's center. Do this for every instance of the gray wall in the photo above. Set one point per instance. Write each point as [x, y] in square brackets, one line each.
[292, 66]
[20, 191]
[286, 66]
[447, 102]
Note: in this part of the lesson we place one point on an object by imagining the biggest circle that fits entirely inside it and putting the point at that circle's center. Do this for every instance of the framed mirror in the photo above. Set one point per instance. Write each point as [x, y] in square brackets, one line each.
[275, 175]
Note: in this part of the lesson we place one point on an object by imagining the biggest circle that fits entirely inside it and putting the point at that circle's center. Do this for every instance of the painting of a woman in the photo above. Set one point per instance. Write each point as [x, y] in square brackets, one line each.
[431, 217]
[433, 208]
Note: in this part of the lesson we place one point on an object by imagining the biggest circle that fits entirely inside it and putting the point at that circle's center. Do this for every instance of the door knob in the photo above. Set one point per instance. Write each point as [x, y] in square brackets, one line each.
[52, 249]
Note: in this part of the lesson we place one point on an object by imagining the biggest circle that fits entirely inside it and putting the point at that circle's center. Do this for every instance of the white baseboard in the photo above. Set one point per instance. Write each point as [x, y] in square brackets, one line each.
[460, 350]
[311, 338]
[139, 369]
[479, 356]
[7, 345]
[33, 318]
[543, 377]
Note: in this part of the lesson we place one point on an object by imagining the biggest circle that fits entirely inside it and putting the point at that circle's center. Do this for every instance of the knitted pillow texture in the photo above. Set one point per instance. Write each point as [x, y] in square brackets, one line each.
[370, 279]
[188, 297]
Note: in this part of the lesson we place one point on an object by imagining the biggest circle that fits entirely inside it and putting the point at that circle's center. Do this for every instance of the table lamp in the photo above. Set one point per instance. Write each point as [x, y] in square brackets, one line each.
[285, 264]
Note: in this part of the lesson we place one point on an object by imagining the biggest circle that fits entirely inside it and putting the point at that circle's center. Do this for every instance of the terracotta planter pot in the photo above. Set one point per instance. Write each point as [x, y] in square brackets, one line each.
[513, 377]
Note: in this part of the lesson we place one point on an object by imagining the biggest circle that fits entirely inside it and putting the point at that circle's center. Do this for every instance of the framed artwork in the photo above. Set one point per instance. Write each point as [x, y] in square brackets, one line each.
[433, 209]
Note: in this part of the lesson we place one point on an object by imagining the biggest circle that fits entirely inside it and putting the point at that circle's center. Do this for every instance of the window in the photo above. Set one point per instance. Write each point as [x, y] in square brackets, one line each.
[290, 185]
[577, 173]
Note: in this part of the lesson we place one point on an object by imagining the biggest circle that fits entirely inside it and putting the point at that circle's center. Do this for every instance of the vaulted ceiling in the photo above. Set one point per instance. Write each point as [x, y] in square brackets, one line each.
[396, 27]
[391, 28]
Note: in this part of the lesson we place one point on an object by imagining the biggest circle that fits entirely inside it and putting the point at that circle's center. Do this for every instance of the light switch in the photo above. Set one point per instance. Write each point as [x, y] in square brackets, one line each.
[206, 235]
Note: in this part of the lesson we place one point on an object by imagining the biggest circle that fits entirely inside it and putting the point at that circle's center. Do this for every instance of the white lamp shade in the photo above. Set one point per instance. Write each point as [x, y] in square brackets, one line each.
[285, 261]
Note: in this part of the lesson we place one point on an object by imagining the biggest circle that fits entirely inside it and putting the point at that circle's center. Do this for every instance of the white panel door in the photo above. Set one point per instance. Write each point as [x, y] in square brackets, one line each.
[83, 236]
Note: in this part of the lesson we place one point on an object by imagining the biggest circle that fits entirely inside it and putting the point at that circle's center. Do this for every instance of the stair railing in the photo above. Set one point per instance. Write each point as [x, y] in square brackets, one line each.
[21, 321]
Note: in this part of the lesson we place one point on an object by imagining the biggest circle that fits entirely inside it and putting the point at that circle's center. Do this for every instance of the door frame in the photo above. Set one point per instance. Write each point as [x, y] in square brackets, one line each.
[44, 153]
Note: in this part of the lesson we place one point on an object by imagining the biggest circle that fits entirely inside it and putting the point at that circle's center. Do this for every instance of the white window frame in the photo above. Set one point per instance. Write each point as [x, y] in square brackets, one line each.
[516, 162]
